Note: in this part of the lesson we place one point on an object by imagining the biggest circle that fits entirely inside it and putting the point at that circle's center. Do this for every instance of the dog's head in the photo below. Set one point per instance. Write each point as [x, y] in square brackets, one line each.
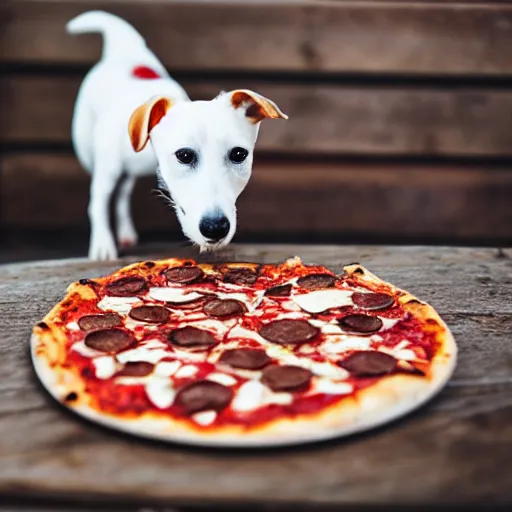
[205, 152]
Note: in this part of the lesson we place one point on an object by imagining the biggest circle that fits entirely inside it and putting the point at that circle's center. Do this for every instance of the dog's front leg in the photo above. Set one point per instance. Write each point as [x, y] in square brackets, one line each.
[102, 245]
[126, 234]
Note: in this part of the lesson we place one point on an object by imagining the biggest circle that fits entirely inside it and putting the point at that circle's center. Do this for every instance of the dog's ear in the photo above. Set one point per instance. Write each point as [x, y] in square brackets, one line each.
[257, 107]
[145, 118]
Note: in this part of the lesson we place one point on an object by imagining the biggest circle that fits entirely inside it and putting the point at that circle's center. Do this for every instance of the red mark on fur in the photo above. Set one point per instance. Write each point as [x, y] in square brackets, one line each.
[145, 73]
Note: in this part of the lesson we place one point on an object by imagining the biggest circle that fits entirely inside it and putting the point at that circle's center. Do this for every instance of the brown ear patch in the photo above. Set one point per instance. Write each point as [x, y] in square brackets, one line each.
[144, 119]
[259, 107]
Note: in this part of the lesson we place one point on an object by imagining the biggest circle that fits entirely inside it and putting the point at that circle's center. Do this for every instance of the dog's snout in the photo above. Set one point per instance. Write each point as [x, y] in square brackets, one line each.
[214, 228]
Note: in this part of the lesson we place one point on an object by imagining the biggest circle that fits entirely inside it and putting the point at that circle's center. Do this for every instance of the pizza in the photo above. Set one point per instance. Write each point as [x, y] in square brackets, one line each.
[241, 354]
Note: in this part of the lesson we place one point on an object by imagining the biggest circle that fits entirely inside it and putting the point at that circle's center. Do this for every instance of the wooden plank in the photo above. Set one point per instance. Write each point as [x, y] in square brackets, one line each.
[303, 201]
[457, 443]
[327, 119]
[346, 37]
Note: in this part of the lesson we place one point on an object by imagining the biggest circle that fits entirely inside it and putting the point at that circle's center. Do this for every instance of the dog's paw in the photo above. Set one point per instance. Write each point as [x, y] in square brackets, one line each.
[102, 249]
[126, 235]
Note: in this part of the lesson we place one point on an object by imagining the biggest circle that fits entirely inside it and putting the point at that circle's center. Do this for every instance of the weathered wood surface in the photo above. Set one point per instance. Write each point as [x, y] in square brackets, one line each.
[324, 201]
[456, 449]
[324, 118]
[342, 36]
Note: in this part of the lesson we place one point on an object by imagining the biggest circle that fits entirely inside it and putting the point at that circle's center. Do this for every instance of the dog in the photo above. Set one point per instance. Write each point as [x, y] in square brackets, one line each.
[201, 151]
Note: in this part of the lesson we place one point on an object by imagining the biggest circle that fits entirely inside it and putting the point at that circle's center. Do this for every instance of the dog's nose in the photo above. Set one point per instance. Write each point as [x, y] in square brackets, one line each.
[214, 228]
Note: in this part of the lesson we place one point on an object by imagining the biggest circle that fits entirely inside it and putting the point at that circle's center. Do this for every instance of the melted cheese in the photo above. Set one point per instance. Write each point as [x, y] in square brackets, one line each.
[166, 368]
[172, 295]
[320, 300]
[104, 366]
[329, 387]
[72, 326]
[388, 323]
[186, 371]
[222, 378]
[204, 418]
[85, 351]
[160, 393]
[329, 370]
[121, 305]
[249, 396]
[142, 353]
[339, 344]
[131, 324]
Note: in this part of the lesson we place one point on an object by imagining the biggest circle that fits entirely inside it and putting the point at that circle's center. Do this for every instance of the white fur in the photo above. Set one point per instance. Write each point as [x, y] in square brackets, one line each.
[105, 102]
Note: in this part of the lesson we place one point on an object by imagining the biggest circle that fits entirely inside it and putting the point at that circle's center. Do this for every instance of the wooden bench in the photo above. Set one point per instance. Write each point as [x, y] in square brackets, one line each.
[400, 114]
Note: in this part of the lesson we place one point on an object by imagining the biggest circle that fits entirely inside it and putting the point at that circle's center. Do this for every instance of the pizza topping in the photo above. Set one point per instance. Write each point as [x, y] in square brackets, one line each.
[372, 301]
[205, 418]
[150, 351]
[151, 314]
[321, 300]
[136, 369]
[109, 340]
[184, 275]
[249, 396]
[94, 322]
[189, 370]
[329, 387]
[173, 295]
[286, 377]
[361, 323]
[160, 393]
[289, 331]
[121, 305]
[316, 281]
[283, 290]
[105, 366]
[204, 395]
[369, 363]
[191, 337]
[241, 275]
[166, 368]
[245, 358]
[346, 343]
[126, 286]
[222, 378]
[223, 307]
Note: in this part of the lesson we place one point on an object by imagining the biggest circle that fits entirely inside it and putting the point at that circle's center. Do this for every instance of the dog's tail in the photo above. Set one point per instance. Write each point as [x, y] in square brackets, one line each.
[119, 37]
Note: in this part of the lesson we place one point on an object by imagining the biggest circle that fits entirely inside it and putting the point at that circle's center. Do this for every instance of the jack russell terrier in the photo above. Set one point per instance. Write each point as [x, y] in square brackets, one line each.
[202, 151]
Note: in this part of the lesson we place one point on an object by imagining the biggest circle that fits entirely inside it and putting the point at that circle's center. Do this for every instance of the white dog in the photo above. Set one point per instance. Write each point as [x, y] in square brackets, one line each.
[201, 150]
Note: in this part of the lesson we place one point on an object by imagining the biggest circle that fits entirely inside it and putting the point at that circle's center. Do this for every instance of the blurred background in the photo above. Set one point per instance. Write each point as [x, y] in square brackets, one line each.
[399, 131]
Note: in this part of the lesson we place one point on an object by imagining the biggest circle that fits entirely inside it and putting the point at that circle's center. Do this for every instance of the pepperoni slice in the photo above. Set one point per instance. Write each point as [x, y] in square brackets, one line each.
[191, 337]
[316, 281]
[204, 395]
[136, 369]
[94, 322]
[109, 340]
[241, 275]
[369, 363]
[372, 301]
[289, 331]
[150, 314]
[283, 290]
[223, 307]
[286, 377]
[126, 286]
[184, 275]
[246, 358]
[360, 323]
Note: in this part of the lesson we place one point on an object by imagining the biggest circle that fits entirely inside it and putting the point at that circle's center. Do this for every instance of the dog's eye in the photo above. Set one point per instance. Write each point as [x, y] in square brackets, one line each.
[238, 155]
[186, 156]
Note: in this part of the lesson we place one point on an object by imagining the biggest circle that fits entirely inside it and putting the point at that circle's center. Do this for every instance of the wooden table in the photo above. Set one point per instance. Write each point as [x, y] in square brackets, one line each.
[457, 449]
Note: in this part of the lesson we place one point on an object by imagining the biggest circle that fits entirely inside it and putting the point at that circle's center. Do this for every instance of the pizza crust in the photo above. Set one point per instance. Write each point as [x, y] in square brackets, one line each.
[389, 399]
